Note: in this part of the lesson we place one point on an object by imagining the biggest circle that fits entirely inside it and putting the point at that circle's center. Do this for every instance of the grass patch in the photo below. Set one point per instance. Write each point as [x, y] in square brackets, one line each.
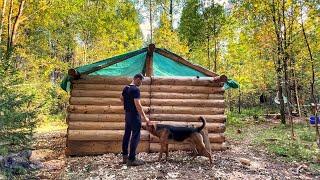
[274, 138]
[247, 115]
[242, 122]
[51, 123]
[277, 140]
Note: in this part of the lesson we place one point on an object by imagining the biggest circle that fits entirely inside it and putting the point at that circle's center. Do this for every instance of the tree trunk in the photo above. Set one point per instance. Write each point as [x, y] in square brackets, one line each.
[293, 81]
[2, 17]
[295, 84]
[9, 29]
[150, 16]
[215, 53]
[288, 93]
[277, 28]
[285, 66]
[312, 80]
[16, 24]
[215, 41]
[279, 95]
[208, 51]
[171, 13]
[239, 102]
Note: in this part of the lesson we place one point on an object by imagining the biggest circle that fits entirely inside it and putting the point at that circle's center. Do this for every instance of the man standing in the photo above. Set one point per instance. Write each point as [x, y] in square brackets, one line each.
[133, 111]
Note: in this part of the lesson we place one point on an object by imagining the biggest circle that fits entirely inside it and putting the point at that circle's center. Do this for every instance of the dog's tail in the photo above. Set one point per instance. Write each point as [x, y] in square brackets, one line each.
[203, 124]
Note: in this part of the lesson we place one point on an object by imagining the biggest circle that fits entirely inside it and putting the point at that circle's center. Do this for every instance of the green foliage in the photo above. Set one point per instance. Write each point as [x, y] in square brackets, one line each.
[251, 51]
[166, 37]
[52, 37]
[192, 23]
[201, 27]
[16, 114]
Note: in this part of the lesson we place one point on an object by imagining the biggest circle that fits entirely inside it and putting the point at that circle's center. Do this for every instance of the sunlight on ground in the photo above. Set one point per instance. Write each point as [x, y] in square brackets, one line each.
[50, 126]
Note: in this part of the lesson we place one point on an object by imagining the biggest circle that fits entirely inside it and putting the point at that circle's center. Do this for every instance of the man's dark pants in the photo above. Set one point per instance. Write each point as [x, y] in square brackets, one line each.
[133, 124]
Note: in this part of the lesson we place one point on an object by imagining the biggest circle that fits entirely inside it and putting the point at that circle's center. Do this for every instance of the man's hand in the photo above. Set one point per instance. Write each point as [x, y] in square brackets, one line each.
[146, 119]
[149, 123]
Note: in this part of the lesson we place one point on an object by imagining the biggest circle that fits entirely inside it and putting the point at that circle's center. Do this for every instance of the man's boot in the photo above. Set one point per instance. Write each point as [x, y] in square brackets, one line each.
[124, 159]
[135, 162]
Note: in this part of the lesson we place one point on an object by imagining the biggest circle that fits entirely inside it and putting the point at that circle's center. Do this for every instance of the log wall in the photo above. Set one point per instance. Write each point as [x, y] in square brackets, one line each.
[96, 116]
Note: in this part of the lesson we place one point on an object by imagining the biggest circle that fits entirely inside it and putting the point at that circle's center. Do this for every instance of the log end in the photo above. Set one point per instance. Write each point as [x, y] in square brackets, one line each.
[220, 79]
[151, 48]
[67, 152]
[74, 74]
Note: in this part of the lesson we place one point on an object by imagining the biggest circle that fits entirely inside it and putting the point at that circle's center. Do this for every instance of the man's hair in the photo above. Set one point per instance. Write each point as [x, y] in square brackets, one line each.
[139, 75]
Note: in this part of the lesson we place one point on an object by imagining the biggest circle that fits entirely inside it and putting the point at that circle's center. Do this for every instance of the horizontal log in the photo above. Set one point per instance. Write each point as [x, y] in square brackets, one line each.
[152, 88]
[186, 110]
[154, 117]
[148, 102]
[102, 93]
[95, 101]
[84, 125]
[166, 95]
[108, 80]
[188, 102]
[80, 125]
[145, 88]
[217, 137]
[186, 81]
[213, 138]
[186, 89]
[101, 135]
[102, 101]
[187, 118]
[95, 117]
[91, 109]
[100, 147]
[154, 95]
[155, 147]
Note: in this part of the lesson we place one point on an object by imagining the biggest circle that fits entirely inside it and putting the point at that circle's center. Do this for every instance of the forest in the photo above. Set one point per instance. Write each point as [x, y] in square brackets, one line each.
[270, 47]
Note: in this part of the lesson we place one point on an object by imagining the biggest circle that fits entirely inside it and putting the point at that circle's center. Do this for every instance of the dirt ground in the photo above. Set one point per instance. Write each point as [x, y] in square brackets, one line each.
[240, 161]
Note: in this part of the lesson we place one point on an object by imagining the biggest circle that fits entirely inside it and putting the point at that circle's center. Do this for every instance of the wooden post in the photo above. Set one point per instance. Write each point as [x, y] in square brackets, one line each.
[149, 60]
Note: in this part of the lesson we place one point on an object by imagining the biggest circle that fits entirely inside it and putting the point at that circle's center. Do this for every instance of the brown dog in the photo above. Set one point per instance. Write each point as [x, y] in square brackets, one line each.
[167, 133]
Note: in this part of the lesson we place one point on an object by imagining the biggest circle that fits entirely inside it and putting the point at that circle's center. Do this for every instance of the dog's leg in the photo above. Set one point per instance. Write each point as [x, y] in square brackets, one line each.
[206, 140]
[207, 154]
[163, 142]
[161, 150]
[198, 141]
[167, 151]
[194, 152]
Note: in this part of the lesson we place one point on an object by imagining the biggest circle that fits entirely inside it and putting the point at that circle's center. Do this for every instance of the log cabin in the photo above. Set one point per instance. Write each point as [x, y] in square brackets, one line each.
[174, 91]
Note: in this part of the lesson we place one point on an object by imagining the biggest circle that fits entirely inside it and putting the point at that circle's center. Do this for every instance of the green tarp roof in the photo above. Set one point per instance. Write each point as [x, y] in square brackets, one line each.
[132, 63]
